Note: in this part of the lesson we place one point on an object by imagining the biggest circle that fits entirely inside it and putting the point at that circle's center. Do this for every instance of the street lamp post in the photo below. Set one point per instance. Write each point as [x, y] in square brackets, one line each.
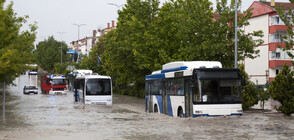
[236, 35]
[79, 25]
[61, 47]
[118, 6]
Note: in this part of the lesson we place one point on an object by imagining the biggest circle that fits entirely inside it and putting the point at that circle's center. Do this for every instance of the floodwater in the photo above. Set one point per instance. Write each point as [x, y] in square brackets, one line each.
[35, 117]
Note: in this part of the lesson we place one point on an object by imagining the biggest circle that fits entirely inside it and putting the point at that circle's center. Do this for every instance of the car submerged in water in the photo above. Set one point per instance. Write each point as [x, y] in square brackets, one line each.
[30, 89]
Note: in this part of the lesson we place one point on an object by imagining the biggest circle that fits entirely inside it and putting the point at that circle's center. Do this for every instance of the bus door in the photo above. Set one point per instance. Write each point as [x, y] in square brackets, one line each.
[188, 98]
[164, 97]
[150, 98]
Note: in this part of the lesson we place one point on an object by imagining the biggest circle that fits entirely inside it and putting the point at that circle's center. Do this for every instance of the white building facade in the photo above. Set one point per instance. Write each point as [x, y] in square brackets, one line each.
[271, 58]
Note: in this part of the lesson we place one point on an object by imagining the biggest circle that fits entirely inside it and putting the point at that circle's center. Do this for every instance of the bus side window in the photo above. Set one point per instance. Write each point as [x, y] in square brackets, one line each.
[155, 87]
[171, 87]
[151, 87]
[147, 88]
[81, 85]
[196, 96]
[179, 86]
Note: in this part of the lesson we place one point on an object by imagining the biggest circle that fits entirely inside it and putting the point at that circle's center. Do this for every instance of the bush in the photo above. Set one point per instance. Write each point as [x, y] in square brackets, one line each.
[263, 95]
[282, 90]
[249, 92]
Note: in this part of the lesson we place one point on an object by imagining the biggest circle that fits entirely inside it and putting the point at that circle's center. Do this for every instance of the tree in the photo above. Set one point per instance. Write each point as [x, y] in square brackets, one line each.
[282, 90]
[48, 53]
[61, 68]
[288, 19]
[146, 37]
[249, 92]
[15, 47]
[263, 92]
[263, 95]
[93, 61]
[124, 45]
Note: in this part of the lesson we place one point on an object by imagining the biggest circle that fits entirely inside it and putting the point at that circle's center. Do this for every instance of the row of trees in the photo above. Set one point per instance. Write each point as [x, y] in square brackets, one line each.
[48, 55]
[15, 46]
[148, 36]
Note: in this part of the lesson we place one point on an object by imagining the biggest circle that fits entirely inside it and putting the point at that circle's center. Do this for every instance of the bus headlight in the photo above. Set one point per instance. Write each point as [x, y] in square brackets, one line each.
[198, 112]
[108, 100]
[87, 100]
[240, 111]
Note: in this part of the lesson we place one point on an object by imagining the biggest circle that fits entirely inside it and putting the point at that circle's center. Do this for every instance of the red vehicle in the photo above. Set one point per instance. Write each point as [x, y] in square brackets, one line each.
[53, 84]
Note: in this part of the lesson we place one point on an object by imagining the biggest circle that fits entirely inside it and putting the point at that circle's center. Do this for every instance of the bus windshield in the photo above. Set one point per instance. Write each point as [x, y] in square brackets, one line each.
[98, 87]
[218, 91]
[58, 82]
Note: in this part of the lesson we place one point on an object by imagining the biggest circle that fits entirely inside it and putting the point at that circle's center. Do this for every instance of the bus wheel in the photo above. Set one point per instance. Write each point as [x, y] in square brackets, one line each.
[155, 108]
[180, 112]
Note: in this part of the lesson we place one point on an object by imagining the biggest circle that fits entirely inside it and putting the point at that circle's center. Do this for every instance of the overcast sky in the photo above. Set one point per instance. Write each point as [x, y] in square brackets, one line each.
[53, 16]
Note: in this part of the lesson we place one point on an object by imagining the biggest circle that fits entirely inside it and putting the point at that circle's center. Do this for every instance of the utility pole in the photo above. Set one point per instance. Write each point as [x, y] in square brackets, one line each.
[4, 101]
[79, 25]
[236, 35]
[61, 47]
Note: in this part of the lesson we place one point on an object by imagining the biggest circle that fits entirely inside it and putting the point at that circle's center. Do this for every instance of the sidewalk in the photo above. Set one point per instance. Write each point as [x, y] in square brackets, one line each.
[268, 105]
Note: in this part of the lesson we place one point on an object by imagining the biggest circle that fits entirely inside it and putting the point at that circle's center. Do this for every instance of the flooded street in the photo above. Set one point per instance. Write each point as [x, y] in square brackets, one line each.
[34, 117]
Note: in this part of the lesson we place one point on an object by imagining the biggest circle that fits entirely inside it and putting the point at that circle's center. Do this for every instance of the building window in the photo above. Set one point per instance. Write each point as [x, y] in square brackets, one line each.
[278, 55]
[277, 71]
[277, 20]
[277, 36]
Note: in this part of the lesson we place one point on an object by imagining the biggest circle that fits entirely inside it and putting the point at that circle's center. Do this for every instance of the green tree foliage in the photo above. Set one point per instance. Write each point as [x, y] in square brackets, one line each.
[60, 68]
[263, 95]
[249, 92]
[48, 53]
[282, 90]
[92, 61]
[288, 19]
[146, 37]
[15, 47]
[194, 34]
[127, 46]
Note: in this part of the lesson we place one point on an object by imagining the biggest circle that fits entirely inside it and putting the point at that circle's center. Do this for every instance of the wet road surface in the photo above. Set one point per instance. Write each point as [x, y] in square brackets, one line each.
[34, 117]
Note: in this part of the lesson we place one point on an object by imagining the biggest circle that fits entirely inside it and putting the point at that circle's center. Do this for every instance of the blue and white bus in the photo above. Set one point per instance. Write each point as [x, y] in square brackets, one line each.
[92, 88]
[193, 89]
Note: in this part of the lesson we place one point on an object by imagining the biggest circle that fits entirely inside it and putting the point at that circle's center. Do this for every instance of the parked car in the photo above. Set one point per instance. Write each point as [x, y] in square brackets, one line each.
[30, 89]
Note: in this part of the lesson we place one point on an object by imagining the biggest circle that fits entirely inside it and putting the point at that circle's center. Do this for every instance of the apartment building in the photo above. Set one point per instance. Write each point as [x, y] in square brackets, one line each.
[272, 58]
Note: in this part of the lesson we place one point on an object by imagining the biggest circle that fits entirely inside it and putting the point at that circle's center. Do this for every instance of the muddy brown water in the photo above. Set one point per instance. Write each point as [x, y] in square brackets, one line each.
[35, 117]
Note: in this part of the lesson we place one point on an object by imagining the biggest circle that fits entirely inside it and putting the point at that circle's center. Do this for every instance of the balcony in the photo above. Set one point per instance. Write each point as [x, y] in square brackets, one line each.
[277, 37]
[275, 63]
[275, 45]
[271, 79]
[276, 28]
